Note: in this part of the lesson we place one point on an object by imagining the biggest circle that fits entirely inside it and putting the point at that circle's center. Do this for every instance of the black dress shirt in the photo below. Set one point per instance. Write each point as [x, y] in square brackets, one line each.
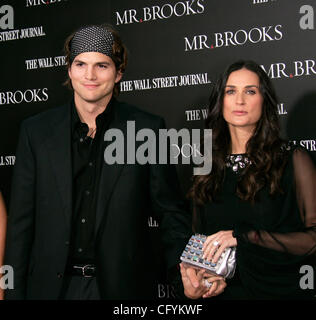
[87, 158]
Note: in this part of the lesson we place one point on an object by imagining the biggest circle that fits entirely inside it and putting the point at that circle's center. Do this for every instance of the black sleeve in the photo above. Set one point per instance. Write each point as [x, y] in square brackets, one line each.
[21, 216]
[301, 242]
[169, 205]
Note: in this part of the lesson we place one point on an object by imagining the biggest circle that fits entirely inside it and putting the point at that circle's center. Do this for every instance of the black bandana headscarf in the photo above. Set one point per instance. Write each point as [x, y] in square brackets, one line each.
[92, 39]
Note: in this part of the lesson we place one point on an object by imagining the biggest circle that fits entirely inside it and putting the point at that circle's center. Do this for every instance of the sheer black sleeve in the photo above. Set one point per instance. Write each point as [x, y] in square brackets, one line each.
[300, 242]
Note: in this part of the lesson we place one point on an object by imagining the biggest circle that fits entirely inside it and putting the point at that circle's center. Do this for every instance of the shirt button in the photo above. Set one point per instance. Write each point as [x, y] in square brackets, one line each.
[87, 192]
[67, 243]
[79, 250]
[83, 220]
[81, 139]
[90, 164]
[59, 275]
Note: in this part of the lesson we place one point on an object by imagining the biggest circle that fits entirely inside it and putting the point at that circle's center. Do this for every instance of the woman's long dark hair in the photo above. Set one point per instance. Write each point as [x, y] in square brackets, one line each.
[262, 149]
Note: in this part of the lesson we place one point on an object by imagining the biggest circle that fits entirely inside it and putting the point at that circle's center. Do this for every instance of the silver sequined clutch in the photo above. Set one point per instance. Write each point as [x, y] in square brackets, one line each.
[192, 255]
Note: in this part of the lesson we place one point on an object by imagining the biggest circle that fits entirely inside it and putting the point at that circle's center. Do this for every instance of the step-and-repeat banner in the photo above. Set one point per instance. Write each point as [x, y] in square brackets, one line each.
[177, 49]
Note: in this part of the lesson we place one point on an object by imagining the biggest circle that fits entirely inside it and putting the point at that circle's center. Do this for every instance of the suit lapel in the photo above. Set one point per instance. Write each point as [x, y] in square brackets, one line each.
[110, 173]
[59, 150]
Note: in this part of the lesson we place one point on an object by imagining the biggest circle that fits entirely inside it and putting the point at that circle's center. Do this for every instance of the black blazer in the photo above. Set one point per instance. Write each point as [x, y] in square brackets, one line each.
[39, 223]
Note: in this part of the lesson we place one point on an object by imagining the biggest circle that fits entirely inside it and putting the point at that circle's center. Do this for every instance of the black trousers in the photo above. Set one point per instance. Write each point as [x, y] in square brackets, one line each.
[80, 288]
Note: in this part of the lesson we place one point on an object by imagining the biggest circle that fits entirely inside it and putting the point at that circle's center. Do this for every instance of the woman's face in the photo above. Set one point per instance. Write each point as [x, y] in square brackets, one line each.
[242, 104]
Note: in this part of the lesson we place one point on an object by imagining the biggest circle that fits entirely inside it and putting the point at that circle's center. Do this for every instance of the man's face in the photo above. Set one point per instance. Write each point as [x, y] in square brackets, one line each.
[93, 76]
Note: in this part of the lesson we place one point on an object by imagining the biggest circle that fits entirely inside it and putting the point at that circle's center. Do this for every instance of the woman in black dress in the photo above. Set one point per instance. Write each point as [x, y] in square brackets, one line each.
[260, 195]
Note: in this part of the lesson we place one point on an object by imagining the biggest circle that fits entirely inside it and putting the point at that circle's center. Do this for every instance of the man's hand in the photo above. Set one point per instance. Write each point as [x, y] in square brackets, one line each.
[195, 283]
[192, 280]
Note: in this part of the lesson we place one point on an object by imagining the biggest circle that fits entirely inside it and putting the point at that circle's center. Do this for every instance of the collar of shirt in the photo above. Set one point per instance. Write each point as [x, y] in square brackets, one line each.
[80, 129]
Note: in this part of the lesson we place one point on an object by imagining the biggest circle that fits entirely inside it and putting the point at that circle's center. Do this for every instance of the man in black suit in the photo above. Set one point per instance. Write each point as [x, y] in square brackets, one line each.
[78, 226]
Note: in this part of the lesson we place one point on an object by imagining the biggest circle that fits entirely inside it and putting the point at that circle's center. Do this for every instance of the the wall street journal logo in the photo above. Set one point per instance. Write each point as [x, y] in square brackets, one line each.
[48, 62]
[160, 12]
[25, 96]
[165, 82]
[234, 38]
[201, 113]
[26, 33]
[7, 160]
[309, 144]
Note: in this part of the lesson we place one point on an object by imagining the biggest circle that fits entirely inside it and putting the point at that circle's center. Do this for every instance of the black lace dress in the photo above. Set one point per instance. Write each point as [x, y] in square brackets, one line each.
[276, 235]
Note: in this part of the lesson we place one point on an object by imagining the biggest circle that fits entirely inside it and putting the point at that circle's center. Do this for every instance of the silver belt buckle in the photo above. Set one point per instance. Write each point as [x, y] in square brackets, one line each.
[83, 269]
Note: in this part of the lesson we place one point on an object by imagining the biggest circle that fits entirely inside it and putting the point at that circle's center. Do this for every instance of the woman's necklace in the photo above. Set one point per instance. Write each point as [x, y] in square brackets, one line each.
[237, 162]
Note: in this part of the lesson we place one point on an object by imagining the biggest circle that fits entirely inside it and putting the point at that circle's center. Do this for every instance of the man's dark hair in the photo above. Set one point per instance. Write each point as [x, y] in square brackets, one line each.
[119, 56]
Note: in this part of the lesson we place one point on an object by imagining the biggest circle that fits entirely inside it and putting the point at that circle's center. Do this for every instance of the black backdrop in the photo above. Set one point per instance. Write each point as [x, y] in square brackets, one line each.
[169, 42]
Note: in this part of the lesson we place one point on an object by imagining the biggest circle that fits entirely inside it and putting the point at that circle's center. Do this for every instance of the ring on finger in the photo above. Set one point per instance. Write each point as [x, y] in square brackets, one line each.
[216, 243]
[207, 284]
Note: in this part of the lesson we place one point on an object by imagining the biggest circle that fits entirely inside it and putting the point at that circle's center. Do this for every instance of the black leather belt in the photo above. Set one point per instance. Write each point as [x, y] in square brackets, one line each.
[83, 270]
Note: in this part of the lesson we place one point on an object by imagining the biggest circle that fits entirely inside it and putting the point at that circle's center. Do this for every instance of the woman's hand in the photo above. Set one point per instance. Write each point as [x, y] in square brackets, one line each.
[216, 243]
